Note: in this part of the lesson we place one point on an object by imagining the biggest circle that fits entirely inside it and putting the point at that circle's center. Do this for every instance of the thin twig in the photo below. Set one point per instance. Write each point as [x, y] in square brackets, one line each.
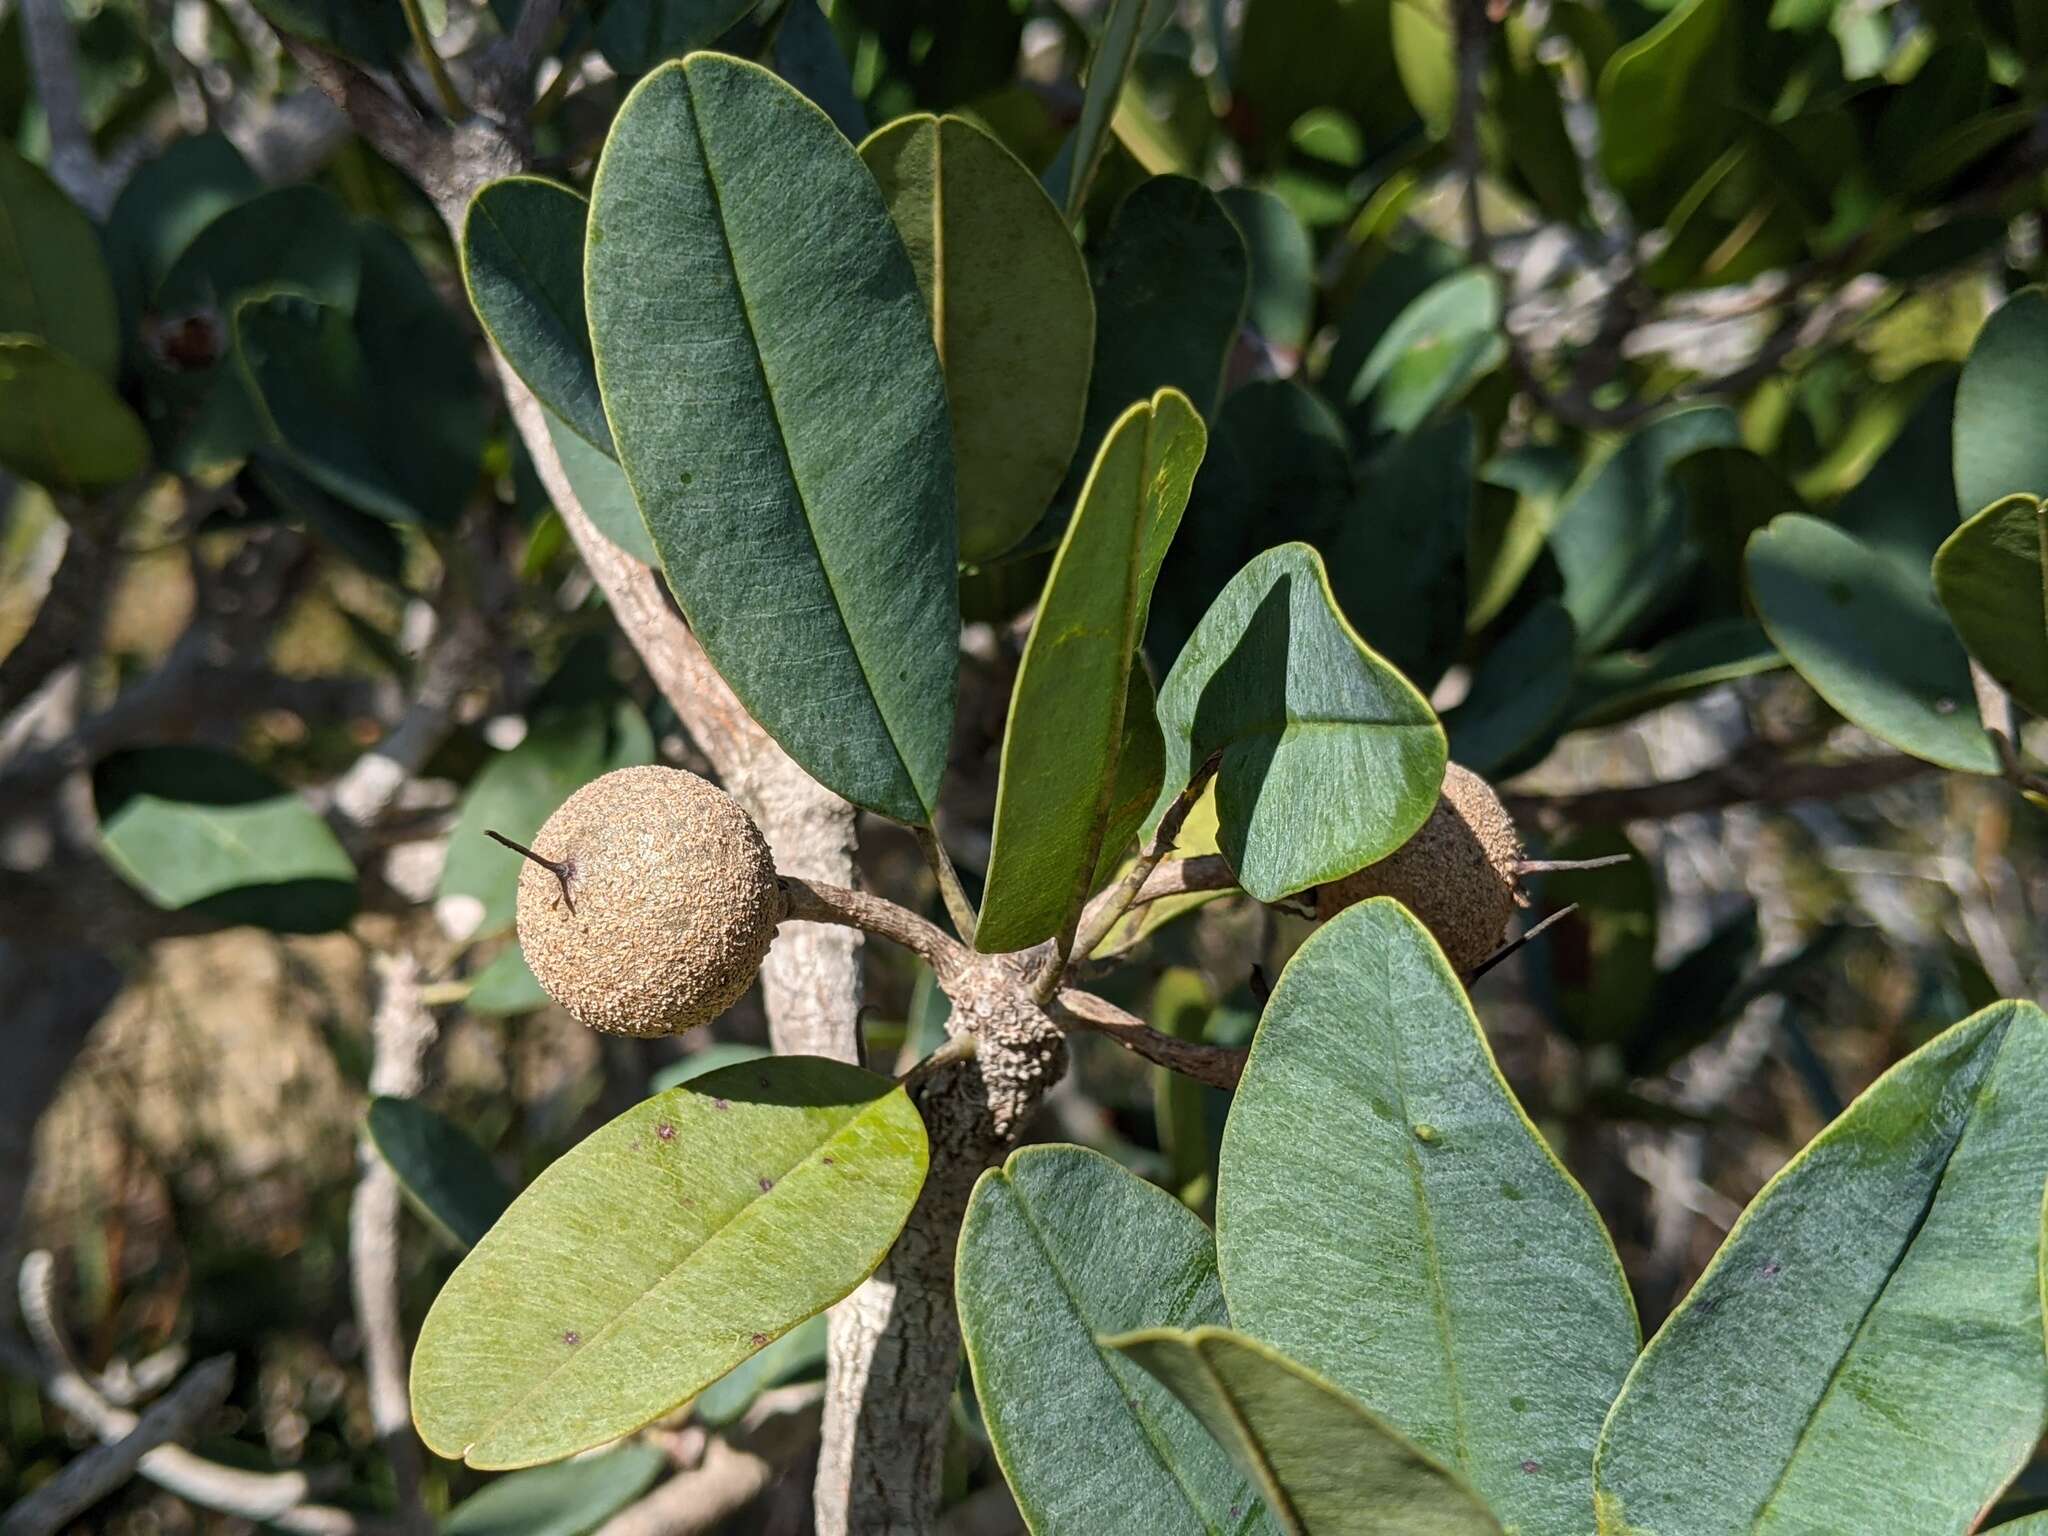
[276, 1499]
[1567, 866]
[1203, 872]
[401, 1031]
[1218, 1065]
[89, 1478]
[1107, 910]
[815, 901]
[958, 907]
[1517, 942]
[1741, 780]
[53, 60]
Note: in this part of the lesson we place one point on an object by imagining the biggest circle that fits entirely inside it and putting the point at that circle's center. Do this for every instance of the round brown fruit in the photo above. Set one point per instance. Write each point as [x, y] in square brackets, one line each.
[1456, 874]
[665, 902]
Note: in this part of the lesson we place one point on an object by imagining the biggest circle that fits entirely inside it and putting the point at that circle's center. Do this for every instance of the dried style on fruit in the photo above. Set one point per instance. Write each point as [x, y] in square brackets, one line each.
[655, 906]
[1457, 874]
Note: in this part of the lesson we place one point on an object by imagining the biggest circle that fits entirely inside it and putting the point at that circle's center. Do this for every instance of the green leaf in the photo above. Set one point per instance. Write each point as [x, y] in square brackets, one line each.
[1620, 537]
[522, 257]
[1140, 763]
[1422, 1248]
[601, 489]
[1124, 25]
[195, 829]
[1012, 316]
[570, 1499]
[1877, 1306]
[2001, 421]
[1865, 631]
[798, 1353]
[1171, 278]
[162, 209]
[372, 34]
[668, 1246]
[1060, 1246]
[636, 35]
[506, 987]
[1398, 561]
[1626, 683]
[1326, 1465]
[1283, 281]
[53, 280]
[1661, 98]
[61, 424]
[1330, 759]
[1519, 693]
[769, 373]
[1066, 719]
[1438, 344]
[1425, 53]
[712, 1058]
[444, 1173]
[1992, 577]
[519, 789]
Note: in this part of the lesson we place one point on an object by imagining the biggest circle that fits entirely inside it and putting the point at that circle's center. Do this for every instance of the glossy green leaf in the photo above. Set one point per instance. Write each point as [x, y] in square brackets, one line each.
[522, 257]
[1620, 537]
[601, 489]
[61, 424]
[1124, 25]
[1992, 577]
[569, 1499]
[1326, 1465]
[1656, 96]
[1625, 683]
[1059, 1247]
[798, 1353]
[1867, 634]
[1283, 278]
[1330, 758]
[444, 1173]
[2001, 421]
[668, 1246]
[1066, 718]
[777, 403]
[1013, 316]
[1388, 1215]
[196, 829]
[1520, 691]
[53, 280]
[517, 790]
[1877, 1306]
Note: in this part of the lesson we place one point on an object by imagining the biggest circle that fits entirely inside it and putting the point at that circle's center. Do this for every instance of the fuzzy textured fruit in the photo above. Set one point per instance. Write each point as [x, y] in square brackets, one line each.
[1456, 874]
[671, 902]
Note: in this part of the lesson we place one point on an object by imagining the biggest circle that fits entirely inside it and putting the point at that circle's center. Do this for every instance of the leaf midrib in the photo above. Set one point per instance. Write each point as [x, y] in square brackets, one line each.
[1905, 1249]
[1145, 1426]
[668, 1276]
[782, 437]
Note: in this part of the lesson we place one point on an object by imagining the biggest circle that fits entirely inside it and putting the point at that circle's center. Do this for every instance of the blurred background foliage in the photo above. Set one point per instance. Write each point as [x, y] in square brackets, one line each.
[1527, 315]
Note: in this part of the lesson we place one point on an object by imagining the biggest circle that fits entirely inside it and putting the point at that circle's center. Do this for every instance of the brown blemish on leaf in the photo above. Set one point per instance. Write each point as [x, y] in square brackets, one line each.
[572, 1338]
[665, 1131]
[766, 1184]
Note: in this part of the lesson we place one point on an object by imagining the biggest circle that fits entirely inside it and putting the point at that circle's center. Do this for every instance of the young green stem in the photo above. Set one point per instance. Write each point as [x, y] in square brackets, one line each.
[958, 907]
[1105, 912]
[451, 99]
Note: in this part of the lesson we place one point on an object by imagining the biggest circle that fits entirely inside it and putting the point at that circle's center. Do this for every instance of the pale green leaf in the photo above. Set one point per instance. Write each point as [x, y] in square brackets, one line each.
[1874, 1319]
[1388, 1215]
[53, 280]
[668, 1246]
[569, 1499]
[1061, 1245]
[1326, 1465]
[1992, 577]
[1066, 719]
[61, 424]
